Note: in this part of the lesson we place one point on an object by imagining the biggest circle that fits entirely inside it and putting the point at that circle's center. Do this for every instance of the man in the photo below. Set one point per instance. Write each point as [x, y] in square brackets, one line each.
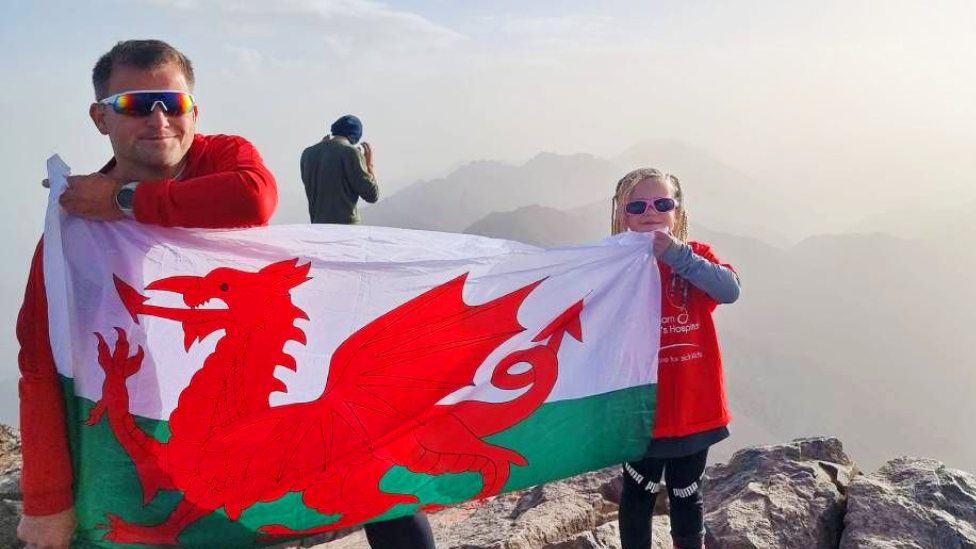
[162, 173]
[336, 175]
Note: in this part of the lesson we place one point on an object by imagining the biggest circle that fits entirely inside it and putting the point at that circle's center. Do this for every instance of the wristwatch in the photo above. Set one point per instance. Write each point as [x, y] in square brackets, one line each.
[126, 196]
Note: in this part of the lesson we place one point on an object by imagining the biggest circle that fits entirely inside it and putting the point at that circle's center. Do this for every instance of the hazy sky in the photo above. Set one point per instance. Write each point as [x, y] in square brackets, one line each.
[859, 106]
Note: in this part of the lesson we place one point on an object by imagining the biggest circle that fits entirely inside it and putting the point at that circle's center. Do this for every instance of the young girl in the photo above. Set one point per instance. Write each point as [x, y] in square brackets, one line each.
[691, 409]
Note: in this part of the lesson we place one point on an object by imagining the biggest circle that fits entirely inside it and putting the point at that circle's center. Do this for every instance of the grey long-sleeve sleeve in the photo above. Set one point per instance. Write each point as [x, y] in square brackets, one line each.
[717, 281]
[358, 175]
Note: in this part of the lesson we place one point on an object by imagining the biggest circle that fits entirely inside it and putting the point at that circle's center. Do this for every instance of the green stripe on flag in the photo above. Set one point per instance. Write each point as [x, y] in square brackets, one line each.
[559, 440]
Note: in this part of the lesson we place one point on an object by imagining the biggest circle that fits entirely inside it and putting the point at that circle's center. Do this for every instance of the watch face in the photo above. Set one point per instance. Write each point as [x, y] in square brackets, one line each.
[125, 198]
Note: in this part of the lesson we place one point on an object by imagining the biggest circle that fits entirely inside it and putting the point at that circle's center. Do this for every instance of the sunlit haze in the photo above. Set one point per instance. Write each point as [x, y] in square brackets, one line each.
[836, 116]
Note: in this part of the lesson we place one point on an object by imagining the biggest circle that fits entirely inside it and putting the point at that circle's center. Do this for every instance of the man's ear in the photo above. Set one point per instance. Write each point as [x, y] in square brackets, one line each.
[97, 114]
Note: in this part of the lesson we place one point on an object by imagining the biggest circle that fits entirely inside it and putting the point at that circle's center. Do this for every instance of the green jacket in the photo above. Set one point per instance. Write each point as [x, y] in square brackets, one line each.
[335, 177]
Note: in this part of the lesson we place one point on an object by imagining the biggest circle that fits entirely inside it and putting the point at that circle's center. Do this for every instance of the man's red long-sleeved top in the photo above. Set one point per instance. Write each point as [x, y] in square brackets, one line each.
[224, 185]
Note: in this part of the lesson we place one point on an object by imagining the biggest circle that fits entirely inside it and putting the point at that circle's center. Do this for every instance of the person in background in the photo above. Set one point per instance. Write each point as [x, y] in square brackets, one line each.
[336, 174]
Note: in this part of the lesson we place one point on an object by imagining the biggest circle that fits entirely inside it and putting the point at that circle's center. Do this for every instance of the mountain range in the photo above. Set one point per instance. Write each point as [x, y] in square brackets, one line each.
[716, 193]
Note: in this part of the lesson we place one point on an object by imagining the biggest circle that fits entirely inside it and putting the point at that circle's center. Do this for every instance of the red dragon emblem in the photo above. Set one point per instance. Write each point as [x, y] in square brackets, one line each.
[230, 449]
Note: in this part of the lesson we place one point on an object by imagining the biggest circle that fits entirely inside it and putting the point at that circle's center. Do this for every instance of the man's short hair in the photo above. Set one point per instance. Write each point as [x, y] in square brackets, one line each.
[138, 54]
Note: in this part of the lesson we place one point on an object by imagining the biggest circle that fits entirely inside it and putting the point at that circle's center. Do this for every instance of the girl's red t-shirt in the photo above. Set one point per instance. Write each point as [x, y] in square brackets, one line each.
[690, 385]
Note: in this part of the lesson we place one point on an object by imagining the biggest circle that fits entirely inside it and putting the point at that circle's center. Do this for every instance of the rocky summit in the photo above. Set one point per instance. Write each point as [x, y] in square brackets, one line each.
[805, 494]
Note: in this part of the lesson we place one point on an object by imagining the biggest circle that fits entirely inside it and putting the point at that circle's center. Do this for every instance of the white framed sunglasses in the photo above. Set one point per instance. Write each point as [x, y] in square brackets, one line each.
[142, 102]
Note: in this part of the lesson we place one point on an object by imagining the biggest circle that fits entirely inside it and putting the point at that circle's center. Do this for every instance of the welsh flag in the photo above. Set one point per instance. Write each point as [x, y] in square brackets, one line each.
[237, 388]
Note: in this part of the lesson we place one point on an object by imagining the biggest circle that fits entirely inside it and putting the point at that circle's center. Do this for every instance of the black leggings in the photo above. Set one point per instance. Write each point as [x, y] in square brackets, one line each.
[683, 477]
[409, 532]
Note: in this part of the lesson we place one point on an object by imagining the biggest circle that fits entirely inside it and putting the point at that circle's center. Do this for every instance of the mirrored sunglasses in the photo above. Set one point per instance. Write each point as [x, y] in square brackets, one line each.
[142, 102]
